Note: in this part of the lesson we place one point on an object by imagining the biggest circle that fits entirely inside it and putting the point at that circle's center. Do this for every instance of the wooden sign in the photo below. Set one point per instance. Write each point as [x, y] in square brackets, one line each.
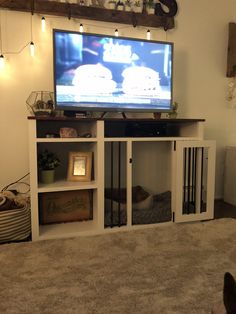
[57, 207]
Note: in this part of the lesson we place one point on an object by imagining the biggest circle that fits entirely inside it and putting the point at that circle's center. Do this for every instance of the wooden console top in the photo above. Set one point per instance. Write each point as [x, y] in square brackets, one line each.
[51, 118]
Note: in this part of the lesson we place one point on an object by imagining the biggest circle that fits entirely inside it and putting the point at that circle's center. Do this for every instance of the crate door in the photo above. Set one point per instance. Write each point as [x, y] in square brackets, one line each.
[194, 180]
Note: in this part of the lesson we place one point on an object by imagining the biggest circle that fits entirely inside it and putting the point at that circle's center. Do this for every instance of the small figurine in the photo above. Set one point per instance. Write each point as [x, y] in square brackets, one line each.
[120, 6]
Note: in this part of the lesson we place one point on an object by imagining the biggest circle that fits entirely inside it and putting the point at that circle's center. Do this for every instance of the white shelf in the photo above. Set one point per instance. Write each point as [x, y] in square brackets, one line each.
[66, 140]
[83, 228]
[64, 185]
[69, 229]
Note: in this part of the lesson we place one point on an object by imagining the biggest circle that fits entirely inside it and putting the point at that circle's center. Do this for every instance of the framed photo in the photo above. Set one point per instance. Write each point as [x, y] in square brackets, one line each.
[68, 206]
[80, 166]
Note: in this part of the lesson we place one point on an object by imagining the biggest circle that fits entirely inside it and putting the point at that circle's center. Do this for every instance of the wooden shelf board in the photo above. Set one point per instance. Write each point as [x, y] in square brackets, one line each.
[91, 13]
[86, 120]
[151, 139]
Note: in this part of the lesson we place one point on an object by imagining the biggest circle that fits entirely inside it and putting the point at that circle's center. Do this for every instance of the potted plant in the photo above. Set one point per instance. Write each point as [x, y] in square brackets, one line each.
[47, 162]
[137, 6]
[173, 113]
[128, 5]
[150, 6]
[111, 4]
[120, 6]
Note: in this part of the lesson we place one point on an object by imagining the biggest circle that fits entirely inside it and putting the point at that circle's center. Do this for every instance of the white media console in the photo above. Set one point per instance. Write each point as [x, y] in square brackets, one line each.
[165, 157]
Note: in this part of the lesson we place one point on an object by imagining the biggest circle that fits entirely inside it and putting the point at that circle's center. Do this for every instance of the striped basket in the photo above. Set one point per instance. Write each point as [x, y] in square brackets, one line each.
[15, 224]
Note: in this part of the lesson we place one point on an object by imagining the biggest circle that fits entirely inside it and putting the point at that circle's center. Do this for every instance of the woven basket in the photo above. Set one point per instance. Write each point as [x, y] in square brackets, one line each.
[15, 224]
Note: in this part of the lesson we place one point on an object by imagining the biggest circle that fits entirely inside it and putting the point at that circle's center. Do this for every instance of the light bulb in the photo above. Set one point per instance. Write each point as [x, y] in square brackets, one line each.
[148, 34]
[43, 24]
[81, 28]
[2, 61]
[116, 33]
[32, 49]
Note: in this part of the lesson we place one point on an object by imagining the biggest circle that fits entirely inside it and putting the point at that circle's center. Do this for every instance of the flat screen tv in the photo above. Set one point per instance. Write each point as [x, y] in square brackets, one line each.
[107, 73]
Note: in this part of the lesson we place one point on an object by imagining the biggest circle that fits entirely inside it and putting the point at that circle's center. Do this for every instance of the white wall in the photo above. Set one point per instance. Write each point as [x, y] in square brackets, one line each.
[201, 39]
[200, 82]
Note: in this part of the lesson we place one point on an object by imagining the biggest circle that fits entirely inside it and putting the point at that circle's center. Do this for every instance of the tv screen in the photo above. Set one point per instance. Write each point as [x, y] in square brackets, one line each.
[107, 73]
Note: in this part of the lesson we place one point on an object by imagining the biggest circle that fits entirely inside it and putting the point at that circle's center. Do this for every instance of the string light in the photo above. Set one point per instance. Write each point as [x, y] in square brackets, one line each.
[2, 61]
[43, 24]
[31, 43]
[32, 49]
[81, 28]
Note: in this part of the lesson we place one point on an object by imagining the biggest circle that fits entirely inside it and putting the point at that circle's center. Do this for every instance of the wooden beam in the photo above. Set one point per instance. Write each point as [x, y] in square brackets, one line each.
[90, 13]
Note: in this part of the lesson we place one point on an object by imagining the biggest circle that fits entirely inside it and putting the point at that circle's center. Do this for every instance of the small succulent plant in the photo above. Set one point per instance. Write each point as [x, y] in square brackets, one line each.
[48, 160]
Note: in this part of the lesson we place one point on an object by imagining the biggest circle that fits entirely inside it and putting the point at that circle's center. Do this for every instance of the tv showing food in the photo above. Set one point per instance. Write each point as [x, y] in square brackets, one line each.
[107, 73]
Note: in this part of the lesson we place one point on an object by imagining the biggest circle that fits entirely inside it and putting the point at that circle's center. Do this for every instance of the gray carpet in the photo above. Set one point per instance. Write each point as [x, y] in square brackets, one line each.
[167, 269]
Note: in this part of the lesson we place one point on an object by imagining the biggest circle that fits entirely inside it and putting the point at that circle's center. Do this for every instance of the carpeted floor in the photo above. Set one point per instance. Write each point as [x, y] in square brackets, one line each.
[167, 269]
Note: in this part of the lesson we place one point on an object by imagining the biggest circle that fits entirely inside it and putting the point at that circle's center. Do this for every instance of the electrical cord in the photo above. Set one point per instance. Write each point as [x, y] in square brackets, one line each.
[18, 182]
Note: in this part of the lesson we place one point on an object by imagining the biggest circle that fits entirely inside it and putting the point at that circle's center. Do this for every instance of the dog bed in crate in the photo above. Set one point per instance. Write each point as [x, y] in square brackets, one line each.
[147, 212]
[15, 224]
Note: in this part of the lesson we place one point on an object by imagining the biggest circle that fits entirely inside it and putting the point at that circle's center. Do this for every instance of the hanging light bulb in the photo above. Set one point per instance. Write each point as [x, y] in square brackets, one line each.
[43, 24]
[32, 49]
[2, 61]
[116, 33]
[148, 34]
[81, 28]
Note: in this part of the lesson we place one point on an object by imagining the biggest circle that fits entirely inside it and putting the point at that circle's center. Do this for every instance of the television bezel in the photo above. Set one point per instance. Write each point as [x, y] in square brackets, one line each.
[83, 107]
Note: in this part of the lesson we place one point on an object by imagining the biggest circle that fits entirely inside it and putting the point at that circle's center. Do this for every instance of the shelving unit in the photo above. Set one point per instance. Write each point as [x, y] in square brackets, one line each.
[38, 130]
[182, 139]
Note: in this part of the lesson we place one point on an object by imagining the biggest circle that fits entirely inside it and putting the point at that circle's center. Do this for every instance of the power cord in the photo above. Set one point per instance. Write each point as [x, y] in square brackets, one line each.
[18, 182]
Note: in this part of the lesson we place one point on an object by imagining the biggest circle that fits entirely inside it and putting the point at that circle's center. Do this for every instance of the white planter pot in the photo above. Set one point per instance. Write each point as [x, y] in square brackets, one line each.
[137, 9]
[127, 9]
[120, 7]
[150, 11]
[111, 6]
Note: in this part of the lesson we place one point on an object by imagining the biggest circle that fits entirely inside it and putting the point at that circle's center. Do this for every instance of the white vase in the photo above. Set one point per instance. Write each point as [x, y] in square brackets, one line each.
[111, 6]
[120, 7]
[150, 10]
[137, 9]
[127, 8]
[172, 115]
[88, 3]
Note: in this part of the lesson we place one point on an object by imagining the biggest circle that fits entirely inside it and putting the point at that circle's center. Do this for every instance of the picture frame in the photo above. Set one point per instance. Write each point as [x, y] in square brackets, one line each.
[68, 206]
[80, 166]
